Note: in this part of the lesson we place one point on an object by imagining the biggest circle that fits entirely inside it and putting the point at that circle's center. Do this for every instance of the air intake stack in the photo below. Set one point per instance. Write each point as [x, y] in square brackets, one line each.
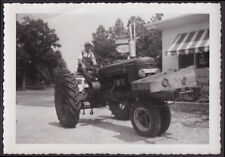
[132, 42]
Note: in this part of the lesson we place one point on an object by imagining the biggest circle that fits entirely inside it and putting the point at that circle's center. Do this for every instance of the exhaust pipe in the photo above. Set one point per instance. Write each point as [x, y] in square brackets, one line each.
[132, 42]
[132, 49]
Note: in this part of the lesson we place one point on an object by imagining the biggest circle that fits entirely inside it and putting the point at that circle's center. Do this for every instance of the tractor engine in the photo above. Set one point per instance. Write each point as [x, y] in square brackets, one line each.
[118, 77]
[113, 82]
[129, 69]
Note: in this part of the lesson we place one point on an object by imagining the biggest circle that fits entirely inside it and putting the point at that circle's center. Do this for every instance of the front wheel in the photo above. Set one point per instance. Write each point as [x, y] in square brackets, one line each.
[146, 120]
[165, 115]
[67, 99]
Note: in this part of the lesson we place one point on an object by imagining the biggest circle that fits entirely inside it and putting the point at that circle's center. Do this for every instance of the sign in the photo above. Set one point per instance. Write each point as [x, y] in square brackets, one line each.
[122, 44]
[202, 76]
[121, 41]
[122, 48]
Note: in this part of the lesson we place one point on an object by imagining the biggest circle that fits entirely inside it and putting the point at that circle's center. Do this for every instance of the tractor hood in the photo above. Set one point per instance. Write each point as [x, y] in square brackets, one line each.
[127, 66]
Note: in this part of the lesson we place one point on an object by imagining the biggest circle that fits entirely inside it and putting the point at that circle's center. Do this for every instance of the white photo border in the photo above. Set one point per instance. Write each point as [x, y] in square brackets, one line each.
[9, 85]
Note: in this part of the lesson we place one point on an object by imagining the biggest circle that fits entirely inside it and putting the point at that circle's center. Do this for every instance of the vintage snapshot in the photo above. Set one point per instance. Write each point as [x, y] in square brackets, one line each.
[126, 78]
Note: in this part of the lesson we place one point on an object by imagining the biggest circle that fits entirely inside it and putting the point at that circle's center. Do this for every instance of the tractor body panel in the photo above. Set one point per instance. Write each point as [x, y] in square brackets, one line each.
[128, 68]
[164, 86]
[167, 81]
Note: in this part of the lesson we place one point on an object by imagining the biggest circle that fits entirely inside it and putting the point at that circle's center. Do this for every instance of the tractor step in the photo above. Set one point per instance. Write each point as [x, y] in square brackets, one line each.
[86, 105]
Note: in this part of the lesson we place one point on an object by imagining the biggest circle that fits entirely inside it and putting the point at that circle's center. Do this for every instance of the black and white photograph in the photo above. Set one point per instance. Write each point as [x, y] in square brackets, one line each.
[112, 78]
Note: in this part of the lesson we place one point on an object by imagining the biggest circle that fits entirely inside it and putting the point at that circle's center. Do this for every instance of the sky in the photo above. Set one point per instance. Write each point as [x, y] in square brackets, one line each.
[74, 26]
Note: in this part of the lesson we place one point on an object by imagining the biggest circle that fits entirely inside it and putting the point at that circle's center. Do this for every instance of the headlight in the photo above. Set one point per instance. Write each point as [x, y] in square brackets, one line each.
[165, 82]
[144, 72]
[184, 81]
[141, 73]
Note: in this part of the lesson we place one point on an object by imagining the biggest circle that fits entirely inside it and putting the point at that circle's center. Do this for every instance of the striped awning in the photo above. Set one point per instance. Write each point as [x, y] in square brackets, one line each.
[191, 42]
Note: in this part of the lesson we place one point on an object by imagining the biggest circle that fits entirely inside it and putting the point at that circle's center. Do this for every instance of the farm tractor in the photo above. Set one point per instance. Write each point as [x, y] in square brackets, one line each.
[132, 89]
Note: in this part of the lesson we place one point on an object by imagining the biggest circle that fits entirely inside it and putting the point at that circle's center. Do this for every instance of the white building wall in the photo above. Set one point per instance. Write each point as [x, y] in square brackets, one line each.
[169, 34]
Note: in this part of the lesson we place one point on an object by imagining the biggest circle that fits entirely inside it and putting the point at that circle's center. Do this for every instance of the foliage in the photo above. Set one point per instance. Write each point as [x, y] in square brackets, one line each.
[148, 43]
[118, 28]
[156, 17]
[139, 22]
[104, 45]
[36, 54]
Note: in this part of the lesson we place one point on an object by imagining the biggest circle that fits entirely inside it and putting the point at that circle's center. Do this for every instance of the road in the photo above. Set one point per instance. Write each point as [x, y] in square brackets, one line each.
[37, 123]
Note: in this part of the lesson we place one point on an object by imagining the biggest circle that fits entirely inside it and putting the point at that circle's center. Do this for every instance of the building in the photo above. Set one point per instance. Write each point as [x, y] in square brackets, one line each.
[185, 42]
[184, 39]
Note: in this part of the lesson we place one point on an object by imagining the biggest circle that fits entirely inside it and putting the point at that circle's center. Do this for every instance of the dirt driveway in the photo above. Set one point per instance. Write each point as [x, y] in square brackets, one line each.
[36, 122]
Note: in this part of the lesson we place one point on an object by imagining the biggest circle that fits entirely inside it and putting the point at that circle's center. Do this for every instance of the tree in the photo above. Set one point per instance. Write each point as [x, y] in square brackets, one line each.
[148, 42]
[118, 28]
[139, 22]
[36, 53]
[156, 17]
[103, 43]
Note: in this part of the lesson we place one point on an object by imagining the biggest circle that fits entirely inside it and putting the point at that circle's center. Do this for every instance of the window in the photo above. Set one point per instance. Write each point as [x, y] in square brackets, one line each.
[186, 60]
[202, 60]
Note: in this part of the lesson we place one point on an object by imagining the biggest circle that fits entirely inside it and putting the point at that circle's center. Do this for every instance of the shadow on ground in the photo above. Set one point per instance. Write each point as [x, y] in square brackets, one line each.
[124, 133]
[56, 124]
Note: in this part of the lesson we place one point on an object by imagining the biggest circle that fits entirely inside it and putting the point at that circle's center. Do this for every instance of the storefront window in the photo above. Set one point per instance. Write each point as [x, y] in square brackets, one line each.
[186, 60]
[202, 60]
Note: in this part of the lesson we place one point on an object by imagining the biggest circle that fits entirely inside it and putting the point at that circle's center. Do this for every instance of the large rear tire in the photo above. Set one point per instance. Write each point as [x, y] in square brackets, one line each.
[145, 120]
[165, 115]
[67, 99]
[120, 110]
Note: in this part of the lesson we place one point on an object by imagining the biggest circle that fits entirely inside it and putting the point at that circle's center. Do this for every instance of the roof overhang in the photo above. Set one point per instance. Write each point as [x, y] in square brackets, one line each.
[191, 42]
[176, 21]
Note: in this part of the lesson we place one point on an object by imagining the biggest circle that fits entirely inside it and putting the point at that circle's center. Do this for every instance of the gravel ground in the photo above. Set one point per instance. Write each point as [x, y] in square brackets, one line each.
[36, 122]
